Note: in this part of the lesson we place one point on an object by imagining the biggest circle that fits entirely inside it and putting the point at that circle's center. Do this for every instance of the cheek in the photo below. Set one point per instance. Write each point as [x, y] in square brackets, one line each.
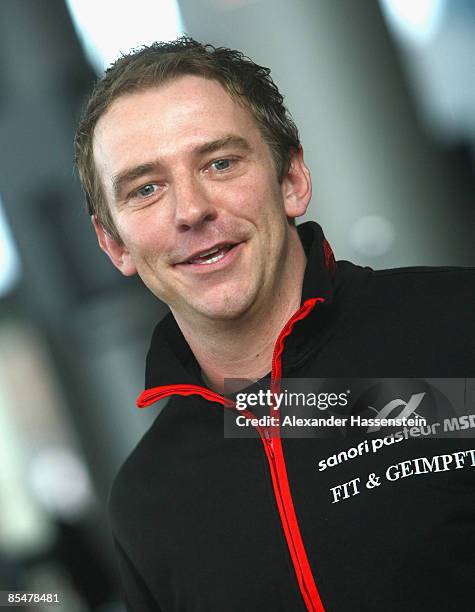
[257, 199]
[144, 238]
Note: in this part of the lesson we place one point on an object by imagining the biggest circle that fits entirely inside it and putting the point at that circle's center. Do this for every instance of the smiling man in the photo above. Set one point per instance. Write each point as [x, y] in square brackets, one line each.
[194, 176]
[201, 216]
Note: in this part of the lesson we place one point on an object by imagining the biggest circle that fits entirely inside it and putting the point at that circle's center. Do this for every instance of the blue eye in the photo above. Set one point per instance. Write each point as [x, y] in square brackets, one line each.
[146, 190]
[221, 164]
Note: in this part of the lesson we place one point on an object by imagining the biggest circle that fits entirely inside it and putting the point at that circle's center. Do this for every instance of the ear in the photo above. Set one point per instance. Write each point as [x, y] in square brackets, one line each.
[296, 186]
[117, 251]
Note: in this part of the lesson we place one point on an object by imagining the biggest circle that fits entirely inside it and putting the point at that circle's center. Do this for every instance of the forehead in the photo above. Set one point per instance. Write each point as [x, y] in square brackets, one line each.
[167, 120]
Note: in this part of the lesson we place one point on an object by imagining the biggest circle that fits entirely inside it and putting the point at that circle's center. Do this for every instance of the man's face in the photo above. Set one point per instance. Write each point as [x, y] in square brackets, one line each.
[193, 191]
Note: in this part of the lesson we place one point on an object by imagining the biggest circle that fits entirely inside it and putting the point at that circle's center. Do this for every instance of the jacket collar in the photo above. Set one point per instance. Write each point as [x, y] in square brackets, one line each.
[170, 360]
[320, 270]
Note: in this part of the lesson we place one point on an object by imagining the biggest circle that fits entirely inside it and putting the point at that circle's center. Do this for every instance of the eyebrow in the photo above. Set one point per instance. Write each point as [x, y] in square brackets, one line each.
[120, 180]
[221, 143]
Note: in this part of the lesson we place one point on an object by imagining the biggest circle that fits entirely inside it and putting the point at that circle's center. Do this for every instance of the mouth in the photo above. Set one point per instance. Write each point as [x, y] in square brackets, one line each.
[210, 256]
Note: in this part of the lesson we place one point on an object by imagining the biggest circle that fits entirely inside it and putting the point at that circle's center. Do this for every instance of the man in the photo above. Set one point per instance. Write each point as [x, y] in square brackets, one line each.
[194, 176]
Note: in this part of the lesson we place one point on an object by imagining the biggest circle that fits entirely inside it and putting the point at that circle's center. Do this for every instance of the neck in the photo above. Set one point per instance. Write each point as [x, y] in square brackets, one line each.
[243, 348]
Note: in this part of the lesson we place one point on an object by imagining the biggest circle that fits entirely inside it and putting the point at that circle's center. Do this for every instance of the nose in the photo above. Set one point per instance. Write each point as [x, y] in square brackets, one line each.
[193, 204]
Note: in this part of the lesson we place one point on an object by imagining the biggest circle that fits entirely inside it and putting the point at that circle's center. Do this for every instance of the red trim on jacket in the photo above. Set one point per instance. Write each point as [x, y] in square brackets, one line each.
[329, 257]
[150, 396]
[275, 456]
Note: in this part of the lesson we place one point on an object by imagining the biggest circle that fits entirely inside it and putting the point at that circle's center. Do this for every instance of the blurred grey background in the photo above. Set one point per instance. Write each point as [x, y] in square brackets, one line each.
[384, 96]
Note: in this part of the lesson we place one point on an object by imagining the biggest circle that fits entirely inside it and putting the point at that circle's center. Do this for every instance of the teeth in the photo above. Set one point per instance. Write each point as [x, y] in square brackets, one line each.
[218, 253]
[209, 252]
[211, 260]
[199, 259]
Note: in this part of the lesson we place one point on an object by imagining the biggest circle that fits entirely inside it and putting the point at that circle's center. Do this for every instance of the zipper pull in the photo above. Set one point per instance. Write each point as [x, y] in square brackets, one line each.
[269, 443]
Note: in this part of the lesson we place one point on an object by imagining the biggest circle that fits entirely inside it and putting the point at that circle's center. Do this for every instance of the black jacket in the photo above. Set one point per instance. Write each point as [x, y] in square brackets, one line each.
[211, 524]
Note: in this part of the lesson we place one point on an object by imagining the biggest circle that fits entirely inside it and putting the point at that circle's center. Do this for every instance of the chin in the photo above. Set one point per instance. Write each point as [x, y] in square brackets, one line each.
[228, 309]
[223, 313]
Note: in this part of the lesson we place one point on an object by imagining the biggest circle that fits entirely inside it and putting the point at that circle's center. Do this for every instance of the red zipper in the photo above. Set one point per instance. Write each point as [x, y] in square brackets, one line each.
[275, 457]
